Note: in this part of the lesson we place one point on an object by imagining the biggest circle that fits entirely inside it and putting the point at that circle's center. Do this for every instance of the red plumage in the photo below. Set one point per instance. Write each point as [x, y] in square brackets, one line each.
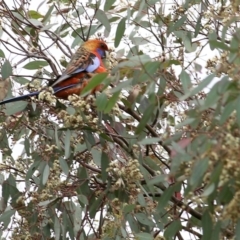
[86, 62]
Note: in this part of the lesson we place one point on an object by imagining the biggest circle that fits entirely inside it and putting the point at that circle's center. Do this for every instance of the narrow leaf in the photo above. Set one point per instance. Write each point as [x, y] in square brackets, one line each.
[120, 32]
[67, 143]
[46, 173]
[102, 17]
[94, 82]
[35, 65]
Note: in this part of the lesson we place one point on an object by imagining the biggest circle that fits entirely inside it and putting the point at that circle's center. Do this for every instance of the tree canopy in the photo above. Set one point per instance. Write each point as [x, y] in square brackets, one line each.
[155, 155]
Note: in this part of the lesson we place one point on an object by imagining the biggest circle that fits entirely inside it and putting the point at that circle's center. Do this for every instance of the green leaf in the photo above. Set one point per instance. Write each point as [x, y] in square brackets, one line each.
[6, 217]
[104, 166]
[144, 236]
[145, 118]
[83, 199]
[102, 17]
[35, 65]
[141, 200]
[186, 81]
[36, 23]
[228, 109]
[128, 208]
[198, 172]
[207, 226]
[120, 32]
[172, 229]
[46, 173]
[208, 190]
[67, 144]
[96, 154]
[108, 4]
[94, 82]
[101, 101]
[12, 108]
[238, 111]
[34, 14]
[157, 179]
[2, 55]
[111, 102]
[164, 199]
[142, 218]
[132, 223]
[219, 45]
[48, 14]
[198, 26]
[204, 83]
[57, 228]
[6, 70]
[47, 202]
[147, 141]
[237, 232]
[94, 206]
[64, 165]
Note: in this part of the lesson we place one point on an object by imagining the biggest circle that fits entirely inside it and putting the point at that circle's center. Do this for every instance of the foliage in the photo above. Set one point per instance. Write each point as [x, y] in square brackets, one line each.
[155, 155]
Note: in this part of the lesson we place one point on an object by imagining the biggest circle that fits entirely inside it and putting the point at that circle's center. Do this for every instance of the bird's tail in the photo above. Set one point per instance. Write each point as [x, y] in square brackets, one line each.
[32, 94]
[19, 98]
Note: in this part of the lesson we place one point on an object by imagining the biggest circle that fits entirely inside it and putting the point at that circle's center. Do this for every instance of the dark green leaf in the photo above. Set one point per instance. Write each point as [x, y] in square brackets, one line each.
[104, 166]
[2, 55]
[6, 70]
[145, 118]
[207, 226]
[120, 32]
[164, 199]
[198, 172]
[111, 102]
[94, 82]
[94, 207]
[172, 229]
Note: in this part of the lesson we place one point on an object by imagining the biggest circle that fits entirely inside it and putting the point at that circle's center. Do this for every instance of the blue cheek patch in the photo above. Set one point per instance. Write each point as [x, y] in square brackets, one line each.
[101, 52]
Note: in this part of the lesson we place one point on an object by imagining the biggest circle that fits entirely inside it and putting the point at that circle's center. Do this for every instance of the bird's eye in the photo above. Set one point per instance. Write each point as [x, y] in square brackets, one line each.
[102, 45]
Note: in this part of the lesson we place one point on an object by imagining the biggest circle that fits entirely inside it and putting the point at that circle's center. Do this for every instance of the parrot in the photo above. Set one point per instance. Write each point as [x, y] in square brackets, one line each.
[86, 62]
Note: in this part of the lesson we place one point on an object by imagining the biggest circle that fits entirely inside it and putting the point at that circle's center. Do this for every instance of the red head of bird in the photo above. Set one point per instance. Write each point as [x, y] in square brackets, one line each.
[96, 46]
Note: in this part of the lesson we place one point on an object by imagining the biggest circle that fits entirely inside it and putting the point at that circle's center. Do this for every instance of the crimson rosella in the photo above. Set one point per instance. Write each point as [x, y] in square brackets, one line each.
[86, 60]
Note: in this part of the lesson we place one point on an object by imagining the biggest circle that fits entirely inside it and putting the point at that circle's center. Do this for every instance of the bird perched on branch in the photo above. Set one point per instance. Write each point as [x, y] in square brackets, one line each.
[83, 65]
